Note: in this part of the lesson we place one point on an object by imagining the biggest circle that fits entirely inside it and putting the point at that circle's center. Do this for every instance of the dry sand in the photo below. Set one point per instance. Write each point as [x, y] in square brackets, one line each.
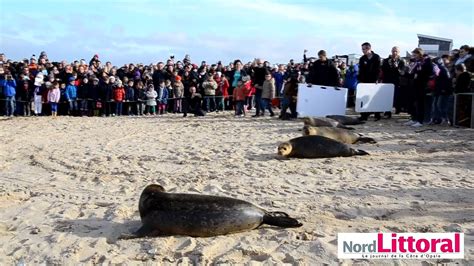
[70, 186]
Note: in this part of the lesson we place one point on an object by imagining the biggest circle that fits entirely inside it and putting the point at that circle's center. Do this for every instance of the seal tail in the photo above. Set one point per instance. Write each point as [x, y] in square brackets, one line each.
[360, 152]
[344, 127]
[366, 140]
[280, 219]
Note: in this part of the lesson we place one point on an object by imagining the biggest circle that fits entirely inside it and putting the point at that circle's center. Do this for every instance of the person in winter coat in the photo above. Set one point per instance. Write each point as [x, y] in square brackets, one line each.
[323, 72]
[443, 90]
[178, 92]
[350, 82]
[369, 72]
[83, 92]
[422, 71]
[38, 93]
[239, 94]
[209, 86]
[258, 77]
[23, 95]
[236, 74]
[268, 93]
[71, 95]
[280, 77]
[140, 97]
[119, 97]
[54, 94]
[393, 68]
[290, 94]
[151, 95]
[9, 90]
[163, 95]
[223, 90]
[463, 81]
[130, 97]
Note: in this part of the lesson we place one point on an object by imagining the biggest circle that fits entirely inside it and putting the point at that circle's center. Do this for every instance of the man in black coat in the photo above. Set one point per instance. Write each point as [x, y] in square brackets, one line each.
[392, 68]
[369, 71]
[258, 77]
[323, 72]
[159, 75]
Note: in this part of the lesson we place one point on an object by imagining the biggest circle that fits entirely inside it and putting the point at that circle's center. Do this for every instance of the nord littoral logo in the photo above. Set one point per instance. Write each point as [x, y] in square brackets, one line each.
[400, 246]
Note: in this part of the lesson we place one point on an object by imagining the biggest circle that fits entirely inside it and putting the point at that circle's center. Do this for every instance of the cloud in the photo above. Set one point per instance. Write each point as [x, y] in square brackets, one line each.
[149, 31]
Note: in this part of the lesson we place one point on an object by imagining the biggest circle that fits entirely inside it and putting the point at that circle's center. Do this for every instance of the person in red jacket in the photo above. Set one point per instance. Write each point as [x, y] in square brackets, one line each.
[222, 90]
[239, 98]
[119, 97]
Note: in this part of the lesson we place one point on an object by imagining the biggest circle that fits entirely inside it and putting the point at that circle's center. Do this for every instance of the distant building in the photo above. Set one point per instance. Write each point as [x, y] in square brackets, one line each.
[435, 46]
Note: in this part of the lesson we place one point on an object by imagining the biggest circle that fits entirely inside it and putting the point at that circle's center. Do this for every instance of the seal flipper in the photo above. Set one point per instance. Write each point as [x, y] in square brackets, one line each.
[143, 231]
[366, 140]
[359, 152]
[344, 127]
[280, 219]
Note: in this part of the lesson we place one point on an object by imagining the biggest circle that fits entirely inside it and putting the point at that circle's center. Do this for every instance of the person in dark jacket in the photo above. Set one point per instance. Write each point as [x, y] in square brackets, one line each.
[258, 77]
[422, 71]
[323, 72]
[83, 95]
[463, 81]
[234, 76]
[392, 68]
[369, 71]
[129, 97]
[290, 94]
[443, 90]
[23, 96]
[159, 75]
[94, 94]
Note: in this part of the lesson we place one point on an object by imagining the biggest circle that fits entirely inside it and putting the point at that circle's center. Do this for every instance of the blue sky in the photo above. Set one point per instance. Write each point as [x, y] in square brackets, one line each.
[149, 31]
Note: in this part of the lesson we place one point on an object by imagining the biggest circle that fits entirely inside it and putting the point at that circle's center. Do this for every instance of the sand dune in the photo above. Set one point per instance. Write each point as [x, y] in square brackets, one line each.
[70, 186]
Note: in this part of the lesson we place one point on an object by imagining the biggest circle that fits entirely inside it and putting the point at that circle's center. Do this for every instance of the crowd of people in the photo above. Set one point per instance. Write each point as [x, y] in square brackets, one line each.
[39, 86]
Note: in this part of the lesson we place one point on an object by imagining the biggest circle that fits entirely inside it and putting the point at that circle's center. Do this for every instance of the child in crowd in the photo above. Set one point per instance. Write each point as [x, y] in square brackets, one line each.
[268, 93]
[54, 95]
[37, 93]
[163, 96]
[83, 95]
[222, 93]
[63, 107]
[151, 99]
[178, 91]
[119, 97]
[95, 95]
[129, 96]
[71, 95]
[239, 98]
[140, 97]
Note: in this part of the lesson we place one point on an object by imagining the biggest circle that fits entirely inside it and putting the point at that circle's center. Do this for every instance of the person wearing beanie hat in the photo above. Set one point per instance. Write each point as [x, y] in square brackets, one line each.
[119, 97]
[71, 95]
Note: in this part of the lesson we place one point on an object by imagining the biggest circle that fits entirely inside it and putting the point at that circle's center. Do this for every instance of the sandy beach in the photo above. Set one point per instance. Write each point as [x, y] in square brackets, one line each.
[70, 186]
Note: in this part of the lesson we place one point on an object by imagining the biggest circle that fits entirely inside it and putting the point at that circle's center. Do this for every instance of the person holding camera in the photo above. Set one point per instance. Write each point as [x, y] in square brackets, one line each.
[9, 90]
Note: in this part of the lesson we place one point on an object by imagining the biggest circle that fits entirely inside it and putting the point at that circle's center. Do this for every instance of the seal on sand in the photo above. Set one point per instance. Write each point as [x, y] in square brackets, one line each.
[323, 122]
[346, 120]
[316, 147]
[200, 215]
[339, 134]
